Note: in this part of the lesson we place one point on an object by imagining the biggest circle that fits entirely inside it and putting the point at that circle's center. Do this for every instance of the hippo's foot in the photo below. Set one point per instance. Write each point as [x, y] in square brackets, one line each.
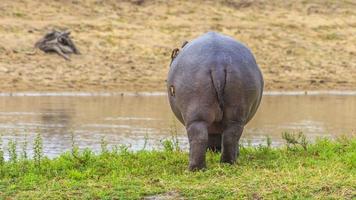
[231, 136]
[198, 142]
[214, 142]
[196, 166]
[197, 156]
[230, 159]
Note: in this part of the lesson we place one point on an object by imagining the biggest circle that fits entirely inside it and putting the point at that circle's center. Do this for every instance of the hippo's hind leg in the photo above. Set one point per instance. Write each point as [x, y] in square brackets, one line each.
[198, 142]
[230, 140]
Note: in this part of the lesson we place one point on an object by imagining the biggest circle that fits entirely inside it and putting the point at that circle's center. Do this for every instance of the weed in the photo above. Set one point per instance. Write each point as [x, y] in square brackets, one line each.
[174, 137]
[2, 159]
[167, 145]
[103, 145]
[145, 142]
[123, 149]
[24, 149]
[38, 151]
[269, 141]
[332, 36]
[12, 147]
[75, 148]
[294, 139]
[19, 14]
[171, 144]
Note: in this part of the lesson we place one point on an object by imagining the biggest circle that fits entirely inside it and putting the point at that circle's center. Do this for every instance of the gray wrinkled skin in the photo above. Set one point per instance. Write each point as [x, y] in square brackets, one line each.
[214, 87]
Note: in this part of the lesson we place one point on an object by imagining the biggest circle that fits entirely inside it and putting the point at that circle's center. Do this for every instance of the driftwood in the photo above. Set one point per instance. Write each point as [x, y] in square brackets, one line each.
[59, 42]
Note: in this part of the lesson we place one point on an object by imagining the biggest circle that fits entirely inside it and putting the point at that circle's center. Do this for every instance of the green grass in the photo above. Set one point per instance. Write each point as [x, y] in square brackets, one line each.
[325, 169]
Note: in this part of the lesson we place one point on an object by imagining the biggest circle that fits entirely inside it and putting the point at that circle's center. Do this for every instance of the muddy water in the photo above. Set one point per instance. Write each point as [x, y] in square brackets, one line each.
[132, 120]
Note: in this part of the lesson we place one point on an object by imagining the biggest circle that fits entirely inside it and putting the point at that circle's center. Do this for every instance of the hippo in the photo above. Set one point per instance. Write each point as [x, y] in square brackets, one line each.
[214, 88]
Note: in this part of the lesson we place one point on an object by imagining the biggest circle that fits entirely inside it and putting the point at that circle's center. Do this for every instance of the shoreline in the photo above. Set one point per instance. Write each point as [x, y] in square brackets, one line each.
[157, 93]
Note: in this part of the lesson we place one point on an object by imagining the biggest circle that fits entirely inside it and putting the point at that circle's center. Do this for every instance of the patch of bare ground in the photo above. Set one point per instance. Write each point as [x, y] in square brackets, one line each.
[126, 45]
[172, 195]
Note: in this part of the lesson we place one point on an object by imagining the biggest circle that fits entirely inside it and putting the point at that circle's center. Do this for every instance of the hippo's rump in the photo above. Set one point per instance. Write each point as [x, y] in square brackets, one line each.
[217, 71]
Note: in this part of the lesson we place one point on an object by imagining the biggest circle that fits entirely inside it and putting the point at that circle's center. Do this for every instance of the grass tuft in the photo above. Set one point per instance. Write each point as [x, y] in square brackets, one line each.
[38, 151]
[293, 139]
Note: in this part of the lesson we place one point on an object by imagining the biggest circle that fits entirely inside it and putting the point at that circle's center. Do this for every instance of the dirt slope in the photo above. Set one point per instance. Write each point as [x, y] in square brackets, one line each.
[126, 45]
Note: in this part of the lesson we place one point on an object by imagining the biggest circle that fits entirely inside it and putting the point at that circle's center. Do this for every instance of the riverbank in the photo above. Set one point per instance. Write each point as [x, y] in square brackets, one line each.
[113, 94]
[126, 45]
[324, 169]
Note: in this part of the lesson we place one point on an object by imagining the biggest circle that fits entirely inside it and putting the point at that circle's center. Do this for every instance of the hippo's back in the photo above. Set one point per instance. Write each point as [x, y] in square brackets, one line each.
[213, 47]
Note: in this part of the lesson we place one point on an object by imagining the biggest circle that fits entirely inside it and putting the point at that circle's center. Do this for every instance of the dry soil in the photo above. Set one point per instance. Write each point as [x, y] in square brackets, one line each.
[126, 45]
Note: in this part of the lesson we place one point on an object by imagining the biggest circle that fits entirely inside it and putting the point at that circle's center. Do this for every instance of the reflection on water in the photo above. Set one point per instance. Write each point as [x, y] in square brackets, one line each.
[131, 120]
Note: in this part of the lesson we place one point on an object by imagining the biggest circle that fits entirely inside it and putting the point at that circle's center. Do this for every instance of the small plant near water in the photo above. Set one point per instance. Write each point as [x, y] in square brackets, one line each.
[38, 150]
[75, 148]
[12, 147]
[24, 149]
[269, 141]
[2, 159]
[293, 139]
[103, 145]
[167, 145]
[172, 144]
[145, 142]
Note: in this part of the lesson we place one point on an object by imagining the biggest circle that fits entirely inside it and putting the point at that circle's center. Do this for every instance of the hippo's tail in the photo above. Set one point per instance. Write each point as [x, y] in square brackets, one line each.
[218, 77]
